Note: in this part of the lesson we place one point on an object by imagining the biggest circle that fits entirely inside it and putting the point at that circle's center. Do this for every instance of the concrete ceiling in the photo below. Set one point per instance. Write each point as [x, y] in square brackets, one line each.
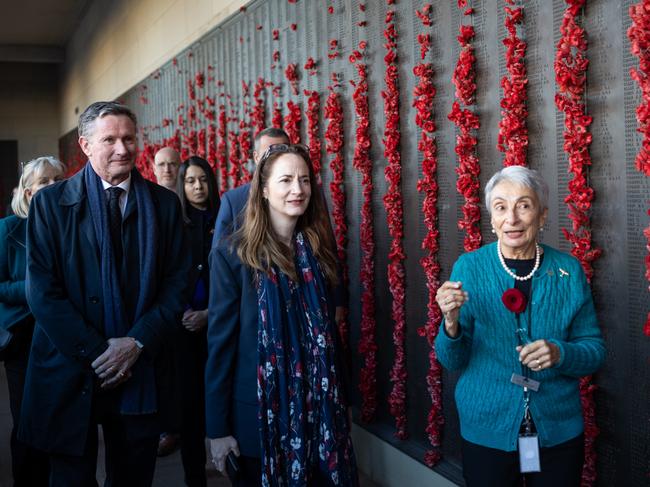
[38, 30]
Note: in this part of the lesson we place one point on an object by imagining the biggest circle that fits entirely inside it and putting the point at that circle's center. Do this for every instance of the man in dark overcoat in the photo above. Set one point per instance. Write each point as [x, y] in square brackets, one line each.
[106, 273]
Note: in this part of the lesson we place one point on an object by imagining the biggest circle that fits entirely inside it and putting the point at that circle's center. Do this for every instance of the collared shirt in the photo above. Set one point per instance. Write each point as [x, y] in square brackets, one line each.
[126, 186]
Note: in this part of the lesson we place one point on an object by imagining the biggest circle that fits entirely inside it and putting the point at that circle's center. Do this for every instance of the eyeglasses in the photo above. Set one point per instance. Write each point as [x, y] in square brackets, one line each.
[299, 149]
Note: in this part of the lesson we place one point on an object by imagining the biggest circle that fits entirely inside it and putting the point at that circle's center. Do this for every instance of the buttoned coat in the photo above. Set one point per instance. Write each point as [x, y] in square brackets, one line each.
[64, 292]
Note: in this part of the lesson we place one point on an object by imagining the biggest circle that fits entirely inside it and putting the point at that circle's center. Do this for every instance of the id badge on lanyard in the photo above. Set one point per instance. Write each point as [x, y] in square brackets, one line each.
[528, 443]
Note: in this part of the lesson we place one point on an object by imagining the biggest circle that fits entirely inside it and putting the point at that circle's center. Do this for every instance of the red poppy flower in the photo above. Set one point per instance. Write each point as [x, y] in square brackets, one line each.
[514, 300]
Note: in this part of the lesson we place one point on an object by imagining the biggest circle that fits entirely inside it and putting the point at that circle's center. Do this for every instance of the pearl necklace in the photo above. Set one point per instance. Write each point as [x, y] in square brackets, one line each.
[538, 254]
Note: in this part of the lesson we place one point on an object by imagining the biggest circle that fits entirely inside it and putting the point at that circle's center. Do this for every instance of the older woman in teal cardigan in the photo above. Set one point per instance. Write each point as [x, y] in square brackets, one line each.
[29, 466]
[520, 326]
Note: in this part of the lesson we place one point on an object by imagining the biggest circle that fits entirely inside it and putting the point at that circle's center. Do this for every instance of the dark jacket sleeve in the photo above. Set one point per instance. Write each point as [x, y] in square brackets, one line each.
[11, 292]
[223, 332]
[161, 321]
[46, 294]
[225, 217]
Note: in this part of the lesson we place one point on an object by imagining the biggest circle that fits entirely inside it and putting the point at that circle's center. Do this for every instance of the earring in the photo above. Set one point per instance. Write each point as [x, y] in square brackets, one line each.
[493, 231]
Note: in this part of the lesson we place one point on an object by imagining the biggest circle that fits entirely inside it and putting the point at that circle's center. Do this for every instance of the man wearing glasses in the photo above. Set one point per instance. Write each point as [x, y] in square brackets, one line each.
[165, 167]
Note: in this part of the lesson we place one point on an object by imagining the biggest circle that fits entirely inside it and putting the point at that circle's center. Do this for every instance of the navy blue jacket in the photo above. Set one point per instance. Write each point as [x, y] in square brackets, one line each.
[231, 380]
[13, 302]
[230, 212]
[64, 292]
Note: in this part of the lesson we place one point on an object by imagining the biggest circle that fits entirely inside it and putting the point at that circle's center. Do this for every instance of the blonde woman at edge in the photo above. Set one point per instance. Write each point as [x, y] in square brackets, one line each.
[29, 466]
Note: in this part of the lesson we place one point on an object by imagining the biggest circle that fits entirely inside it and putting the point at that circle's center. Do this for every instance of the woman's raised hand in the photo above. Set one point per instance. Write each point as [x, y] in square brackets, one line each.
[450, 297]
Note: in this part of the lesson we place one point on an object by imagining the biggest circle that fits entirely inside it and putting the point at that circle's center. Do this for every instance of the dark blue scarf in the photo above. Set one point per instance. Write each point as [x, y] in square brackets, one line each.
[139, 392]
[304, 429]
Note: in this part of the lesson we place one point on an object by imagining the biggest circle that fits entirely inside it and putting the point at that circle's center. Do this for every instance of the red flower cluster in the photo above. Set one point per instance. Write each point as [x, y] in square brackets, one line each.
[144, 161]
[639, 35]
[258, 116]
[199, 79]
[292, 122]
[221, 150]
[333, 52]
[212, 146]
[291, 73]
[513, 133]
[311, 66]
[425, 15]
[190, 90]
[464, 77]
[334, 147]
[467, 121]
[571, 74]
[423, 96]
[277, 115]
[363, 163]
[190, 144]
[244, 137]
[244, 150]
[395, 216]
[233, 156]
[201, 142]
[313, 130]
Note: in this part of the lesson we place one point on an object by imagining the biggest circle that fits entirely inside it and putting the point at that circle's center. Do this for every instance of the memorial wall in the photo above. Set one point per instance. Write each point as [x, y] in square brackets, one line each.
[277, 62]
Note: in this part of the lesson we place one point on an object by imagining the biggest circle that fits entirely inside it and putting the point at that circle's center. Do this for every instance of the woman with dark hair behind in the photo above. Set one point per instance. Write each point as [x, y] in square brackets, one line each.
[29, 466]
[274, 378]
[197, 189]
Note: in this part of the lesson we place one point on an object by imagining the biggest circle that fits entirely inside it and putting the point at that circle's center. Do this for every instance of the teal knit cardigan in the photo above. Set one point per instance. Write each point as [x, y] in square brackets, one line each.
[490, 407]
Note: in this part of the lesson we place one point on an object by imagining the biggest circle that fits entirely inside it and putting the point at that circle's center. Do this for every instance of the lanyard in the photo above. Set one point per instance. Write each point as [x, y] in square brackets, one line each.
[524, 339]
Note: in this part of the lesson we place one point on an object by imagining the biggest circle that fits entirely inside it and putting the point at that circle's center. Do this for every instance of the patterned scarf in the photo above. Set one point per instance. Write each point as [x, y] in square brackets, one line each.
[303, 421]
[139, 392]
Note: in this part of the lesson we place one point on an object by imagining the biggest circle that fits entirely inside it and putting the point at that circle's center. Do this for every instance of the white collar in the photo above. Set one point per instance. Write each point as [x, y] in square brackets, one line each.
[125, 185]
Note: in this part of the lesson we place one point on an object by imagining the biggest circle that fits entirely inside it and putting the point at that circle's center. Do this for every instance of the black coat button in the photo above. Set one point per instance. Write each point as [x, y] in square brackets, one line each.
[94, 299]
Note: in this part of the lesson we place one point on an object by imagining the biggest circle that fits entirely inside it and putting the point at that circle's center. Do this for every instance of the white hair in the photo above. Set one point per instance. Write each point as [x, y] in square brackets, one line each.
[528, 178]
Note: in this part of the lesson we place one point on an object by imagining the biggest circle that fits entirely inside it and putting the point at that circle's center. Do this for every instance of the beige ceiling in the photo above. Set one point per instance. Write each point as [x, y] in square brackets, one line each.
[38, 30]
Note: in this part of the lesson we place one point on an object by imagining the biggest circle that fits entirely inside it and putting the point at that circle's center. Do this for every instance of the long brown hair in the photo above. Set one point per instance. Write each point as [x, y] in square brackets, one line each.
[259, 247]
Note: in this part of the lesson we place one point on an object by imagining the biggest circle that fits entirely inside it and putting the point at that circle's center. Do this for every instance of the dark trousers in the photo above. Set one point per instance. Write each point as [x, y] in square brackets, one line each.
[561, 466]
[250, 474]
[131, 444]
[193, 348]
[29, 466]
